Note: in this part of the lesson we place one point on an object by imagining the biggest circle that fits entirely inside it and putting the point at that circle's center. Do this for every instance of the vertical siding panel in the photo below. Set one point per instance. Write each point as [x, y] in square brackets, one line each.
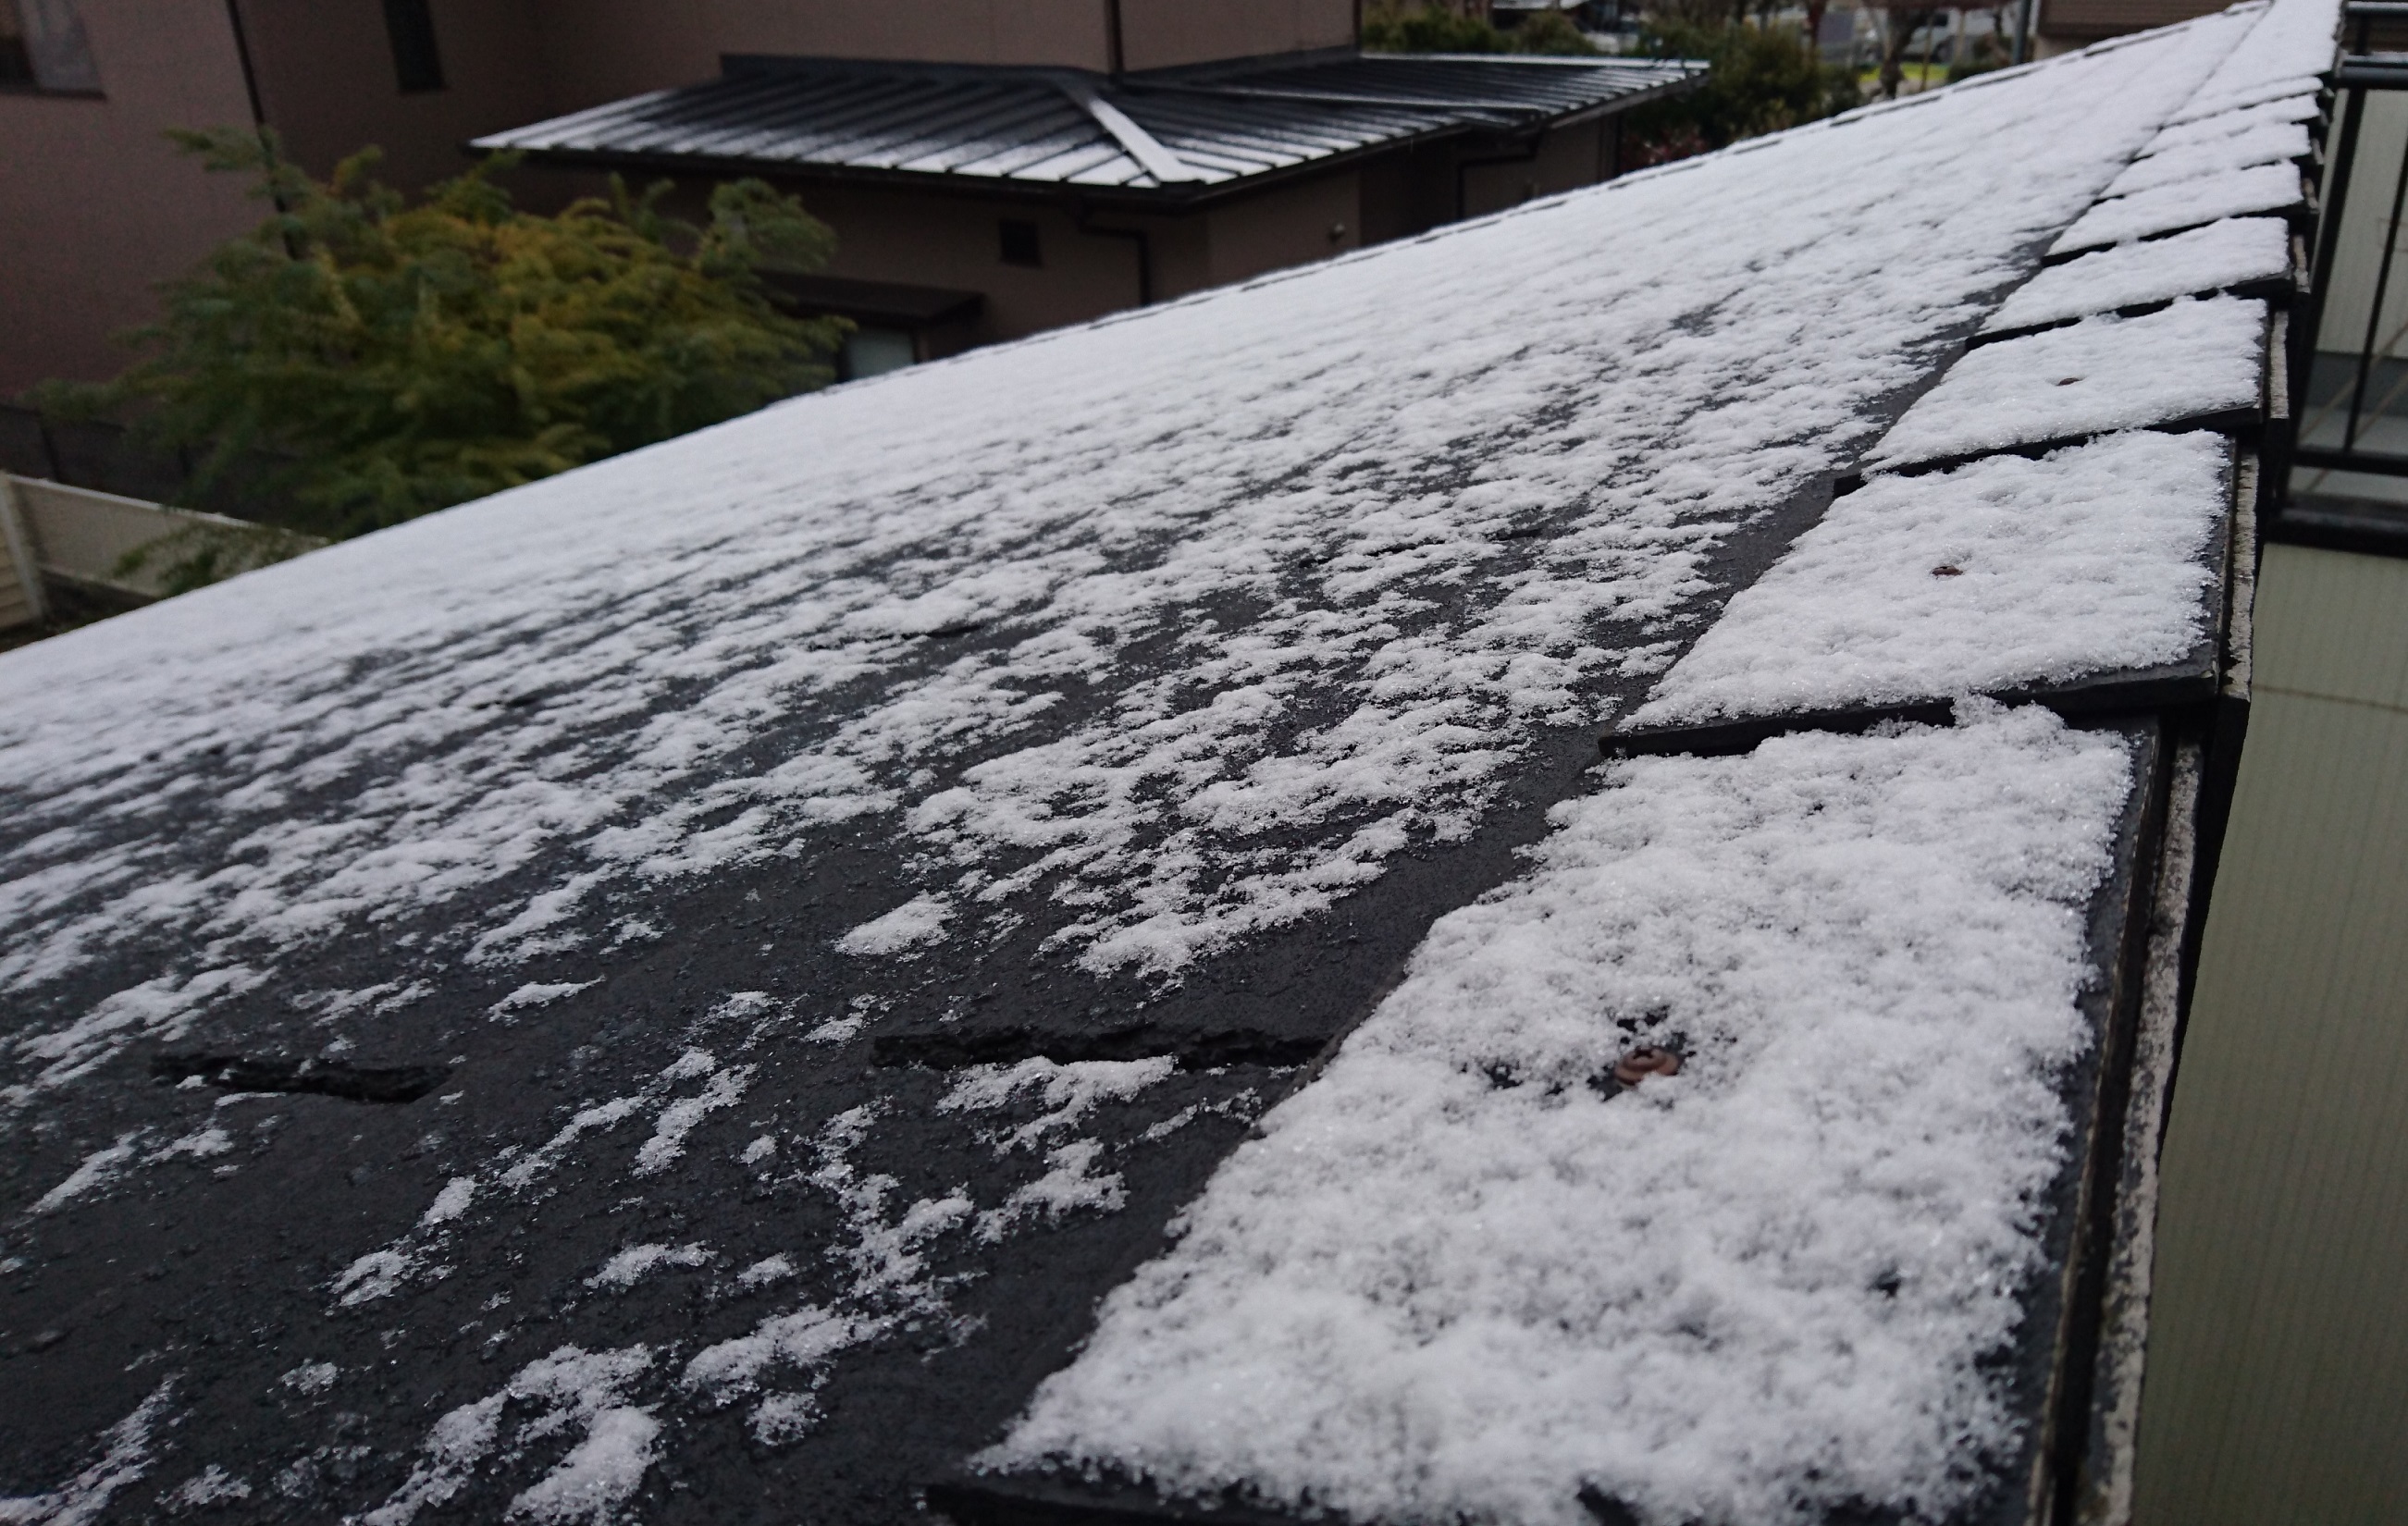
[2277, 1388]
[21, 588]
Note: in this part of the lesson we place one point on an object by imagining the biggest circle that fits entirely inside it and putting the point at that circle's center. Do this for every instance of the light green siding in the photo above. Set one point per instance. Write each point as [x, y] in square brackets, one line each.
[2277, 1387]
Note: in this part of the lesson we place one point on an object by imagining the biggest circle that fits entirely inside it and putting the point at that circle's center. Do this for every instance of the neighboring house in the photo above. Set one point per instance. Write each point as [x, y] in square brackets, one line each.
[1018, 198]
[101, 209]
[1043, 937]
[2064, 26]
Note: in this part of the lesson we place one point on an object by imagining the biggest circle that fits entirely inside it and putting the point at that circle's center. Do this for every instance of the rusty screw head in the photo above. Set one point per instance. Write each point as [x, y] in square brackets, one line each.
[1647, 1060]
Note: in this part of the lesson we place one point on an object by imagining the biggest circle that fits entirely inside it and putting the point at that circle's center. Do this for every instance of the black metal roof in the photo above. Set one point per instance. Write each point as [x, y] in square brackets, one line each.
[1173, 133]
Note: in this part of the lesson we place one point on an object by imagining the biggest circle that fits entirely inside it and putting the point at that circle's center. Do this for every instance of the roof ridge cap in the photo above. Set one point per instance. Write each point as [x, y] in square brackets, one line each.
[1141, 145]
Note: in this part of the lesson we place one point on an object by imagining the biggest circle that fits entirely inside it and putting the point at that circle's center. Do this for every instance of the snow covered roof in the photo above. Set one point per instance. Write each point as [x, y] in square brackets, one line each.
[1157, 136]
[1047, 928]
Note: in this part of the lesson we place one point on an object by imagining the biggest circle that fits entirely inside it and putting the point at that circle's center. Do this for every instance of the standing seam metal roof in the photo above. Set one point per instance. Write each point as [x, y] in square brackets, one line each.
[1065, 126]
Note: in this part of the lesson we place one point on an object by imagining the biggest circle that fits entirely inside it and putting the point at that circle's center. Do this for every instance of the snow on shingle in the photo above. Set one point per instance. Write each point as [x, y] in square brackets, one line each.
[84, 1498]
[2003, 574]
[2302, 108]
[2284, 53]
[2193, 359]
[570, 1387]
[2185, 203]
[2234, 252]
[1451, 1280]
[1148, 634]
[2205, 107]
[2269, 143]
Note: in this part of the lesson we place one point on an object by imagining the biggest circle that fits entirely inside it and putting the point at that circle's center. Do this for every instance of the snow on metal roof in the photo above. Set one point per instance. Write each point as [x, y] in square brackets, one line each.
[1170, 133]
[684, 986]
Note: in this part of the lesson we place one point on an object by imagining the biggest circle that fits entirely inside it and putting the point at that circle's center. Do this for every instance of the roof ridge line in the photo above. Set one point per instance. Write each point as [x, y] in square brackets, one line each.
[1141, 145]
[1274, 92]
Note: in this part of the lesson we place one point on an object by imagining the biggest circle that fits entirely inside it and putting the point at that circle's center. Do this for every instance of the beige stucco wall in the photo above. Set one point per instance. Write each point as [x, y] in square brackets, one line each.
[97, 206]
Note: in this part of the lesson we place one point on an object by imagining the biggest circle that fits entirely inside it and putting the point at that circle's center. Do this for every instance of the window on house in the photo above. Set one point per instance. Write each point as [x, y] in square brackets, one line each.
[874, 352]
[1020, 244]
[42, 46]
[417, 65]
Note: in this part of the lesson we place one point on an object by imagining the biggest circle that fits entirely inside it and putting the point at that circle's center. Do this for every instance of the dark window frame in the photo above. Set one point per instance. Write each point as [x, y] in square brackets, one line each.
[416, 57]
[46, 55]
[1019, 243]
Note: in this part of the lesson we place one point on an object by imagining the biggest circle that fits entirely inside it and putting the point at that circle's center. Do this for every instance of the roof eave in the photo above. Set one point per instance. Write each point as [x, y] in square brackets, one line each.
[1159, 198]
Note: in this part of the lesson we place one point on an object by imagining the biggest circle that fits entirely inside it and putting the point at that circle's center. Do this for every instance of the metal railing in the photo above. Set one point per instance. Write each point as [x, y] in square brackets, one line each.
[2355, 385]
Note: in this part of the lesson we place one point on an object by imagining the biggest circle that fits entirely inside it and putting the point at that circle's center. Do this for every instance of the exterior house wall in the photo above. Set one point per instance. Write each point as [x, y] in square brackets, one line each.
[2067, 24]
[99, 205]
[1181, 248]
[1566, 158]
[953, 241]
[1288, 224]
[2278, 1326]
[598, 51]
[325, 72]
[923, 238]
[1407, 191]
[1163, 33]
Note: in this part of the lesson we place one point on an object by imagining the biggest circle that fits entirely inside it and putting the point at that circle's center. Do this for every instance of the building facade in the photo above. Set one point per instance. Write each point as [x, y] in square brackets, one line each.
[101, 207]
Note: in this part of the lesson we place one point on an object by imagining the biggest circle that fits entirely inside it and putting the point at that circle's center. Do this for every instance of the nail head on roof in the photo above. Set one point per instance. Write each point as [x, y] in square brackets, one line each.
[1637, 1065]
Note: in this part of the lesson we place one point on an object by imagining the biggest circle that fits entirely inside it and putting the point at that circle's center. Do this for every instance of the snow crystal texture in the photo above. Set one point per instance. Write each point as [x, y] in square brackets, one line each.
[2203, 260]
[2286, 54]
[2266, 143]
[2185, 203]
[1144, 635]
[2190, 361]
[2181, 134]
[1452, 1280]
[2001, 575]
